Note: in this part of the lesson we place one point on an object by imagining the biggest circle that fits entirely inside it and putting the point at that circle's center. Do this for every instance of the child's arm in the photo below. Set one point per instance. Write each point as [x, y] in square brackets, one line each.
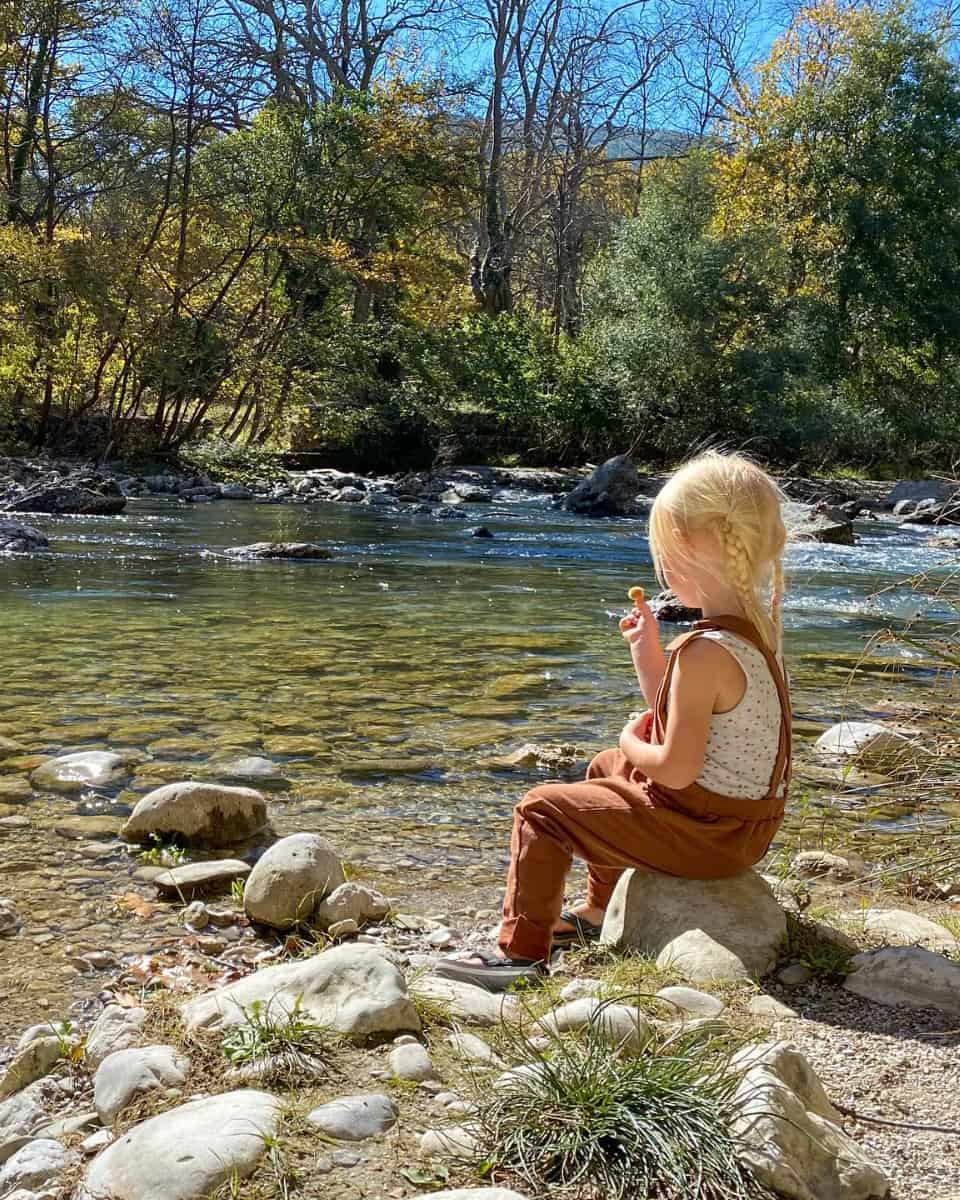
[693, 693]
[642, 634]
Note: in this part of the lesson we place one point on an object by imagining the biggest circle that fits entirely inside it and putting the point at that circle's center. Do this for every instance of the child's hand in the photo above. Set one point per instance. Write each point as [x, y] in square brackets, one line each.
[640, 629]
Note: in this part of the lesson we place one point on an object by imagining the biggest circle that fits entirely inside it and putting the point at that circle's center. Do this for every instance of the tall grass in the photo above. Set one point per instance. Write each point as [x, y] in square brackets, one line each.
[591, 1123]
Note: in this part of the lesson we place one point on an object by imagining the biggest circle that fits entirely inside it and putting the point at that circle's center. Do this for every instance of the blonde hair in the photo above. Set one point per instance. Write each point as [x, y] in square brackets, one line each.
[732, 497]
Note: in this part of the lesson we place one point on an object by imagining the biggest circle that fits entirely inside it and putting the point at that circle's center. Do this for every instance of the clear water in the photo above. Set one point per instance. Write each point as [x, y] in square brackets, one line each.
[382, 681]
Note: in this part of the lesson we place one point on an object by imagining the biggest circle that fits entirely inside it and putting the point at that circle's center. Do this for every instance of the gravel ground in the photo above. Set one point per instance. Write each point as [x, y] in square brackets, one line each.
[894, 1063]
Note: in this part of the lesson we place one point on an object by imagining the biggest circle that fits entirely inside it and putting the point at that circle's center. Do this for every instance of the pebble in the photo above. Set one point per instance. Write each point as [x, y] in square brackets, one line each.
[346, 1158]
[689, 1000]
[196, 916]
[96, 1141]
[355, 1118]
[441, 939]
[769, 1007]
[411, 1061]
[794, 975]
[446, 1098]
[406, 1039]
[343, 929]
[323, 1166]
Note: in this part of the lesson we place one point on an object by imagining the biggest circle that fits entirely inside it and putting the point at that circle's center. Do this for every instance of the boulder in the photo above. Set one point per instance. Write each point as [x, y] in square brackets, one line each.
[32, 1062]
[688, 1001]
[297, 550]
[706, 929]
[355, 1118]
[464, 1001]
[817, 523]
[198, 814]
[868, 741]
[72, 498]
[352, 902]
[291, 879]
[20, 539]
[199, 878]
[790, 1133]
[80, 771]
[897, 927]
[618, 1024]
[116, 1028]
[350, 495]
[609, 490]
[126, 1074]
[907, 975]
[39, 1164]
[352, 989]
[187, 1152]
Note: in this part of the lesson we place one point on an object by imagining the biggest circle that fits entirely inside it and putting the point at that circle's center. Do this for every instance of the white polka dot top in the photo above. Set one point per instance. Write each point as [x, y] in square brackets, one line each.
[742, 744]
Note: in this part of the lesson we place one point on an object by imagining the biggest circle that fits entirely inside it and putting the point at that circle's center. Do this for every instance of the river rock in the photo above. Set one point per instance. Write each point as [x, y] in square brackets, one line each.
[411, 1061]
[819, 864]
[21, 539]
[252, 769]
[768, 1008]
[817, 523]
[291, 879]
[471, 1048]
[352, 902]
[352, 989]
[80, 771]
[866, 740]
[198, 878]
[197, 813]
[456, 1141]
[897, 927]
[116, 1028]
[24, 1112]
[71, 498]
[298, 550]
[665, 606]
[32, 1062]
[485, 1193]
[39, 1164]
[706, 929]
[235, 491]
[682, 1000]
[618, 1024]
[187, 1152]
[126, 1074]
[355, 1118]
[609, 490]
[350, 495]
[9, 918]
[792, 1140]
[464, 1001]
[907, 975]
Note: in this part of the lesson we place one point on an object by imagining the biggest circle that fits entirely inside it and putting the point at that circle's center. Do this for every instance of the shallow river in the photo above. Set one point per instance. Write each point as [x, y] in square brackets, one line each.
[381, 682]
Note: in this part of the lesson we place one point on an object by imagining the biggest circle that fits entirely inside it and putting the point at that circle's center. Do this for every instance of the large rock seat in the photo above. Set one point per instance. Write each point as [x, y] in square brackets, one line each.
[707, 929]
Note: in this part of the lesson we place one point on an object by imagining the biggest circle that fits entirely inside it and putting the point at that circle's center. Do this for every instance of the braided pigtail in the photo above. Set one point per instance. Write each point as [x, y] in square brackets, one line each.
[741, 573]
[776, 602]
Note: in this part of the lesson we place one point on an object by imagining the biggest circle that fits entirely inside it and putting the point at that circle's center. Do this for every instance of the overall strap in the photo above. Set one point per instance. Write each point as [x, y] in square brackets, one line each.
[736, 625]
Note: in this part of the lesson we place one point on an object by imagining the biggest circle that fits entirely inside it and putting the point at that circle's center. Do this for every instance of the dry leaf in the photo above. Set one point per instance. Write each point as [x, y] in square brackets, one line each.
[135, 903]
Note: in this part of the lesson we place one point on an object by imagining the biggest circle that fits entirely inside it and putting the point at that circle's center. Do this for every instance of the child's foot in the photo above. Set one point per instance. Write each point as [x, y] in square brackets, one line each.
[491, 970]
[579, 924]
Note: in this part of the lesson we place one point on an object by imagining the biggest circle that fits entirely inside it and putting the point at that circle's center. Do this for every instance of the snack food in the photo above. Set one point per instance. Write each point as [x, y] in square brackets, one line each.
[636, 594]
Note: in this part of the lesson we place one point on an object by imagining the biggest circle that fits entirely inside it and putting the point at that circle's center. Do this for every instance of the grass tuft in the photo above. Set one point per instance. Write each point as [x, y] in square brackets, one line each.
[281, 1046]
[591, 1123]
[806, 943]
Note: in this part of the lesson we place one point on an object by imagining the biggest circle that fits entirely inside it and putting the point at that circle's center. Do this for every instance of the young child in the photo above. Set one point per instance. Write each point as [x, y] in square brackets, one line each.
[697, 785]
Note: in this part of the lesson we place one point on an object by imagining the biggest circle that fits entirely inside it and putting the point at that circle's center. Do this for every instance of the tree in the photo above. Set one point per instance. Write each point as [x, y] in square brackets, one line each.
[848, 156]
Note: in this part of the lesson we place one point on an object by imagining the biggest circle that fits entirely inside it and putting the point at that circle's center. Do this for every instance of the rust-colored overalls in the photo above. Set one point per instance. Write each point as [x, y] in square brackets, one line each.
[618, 818]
